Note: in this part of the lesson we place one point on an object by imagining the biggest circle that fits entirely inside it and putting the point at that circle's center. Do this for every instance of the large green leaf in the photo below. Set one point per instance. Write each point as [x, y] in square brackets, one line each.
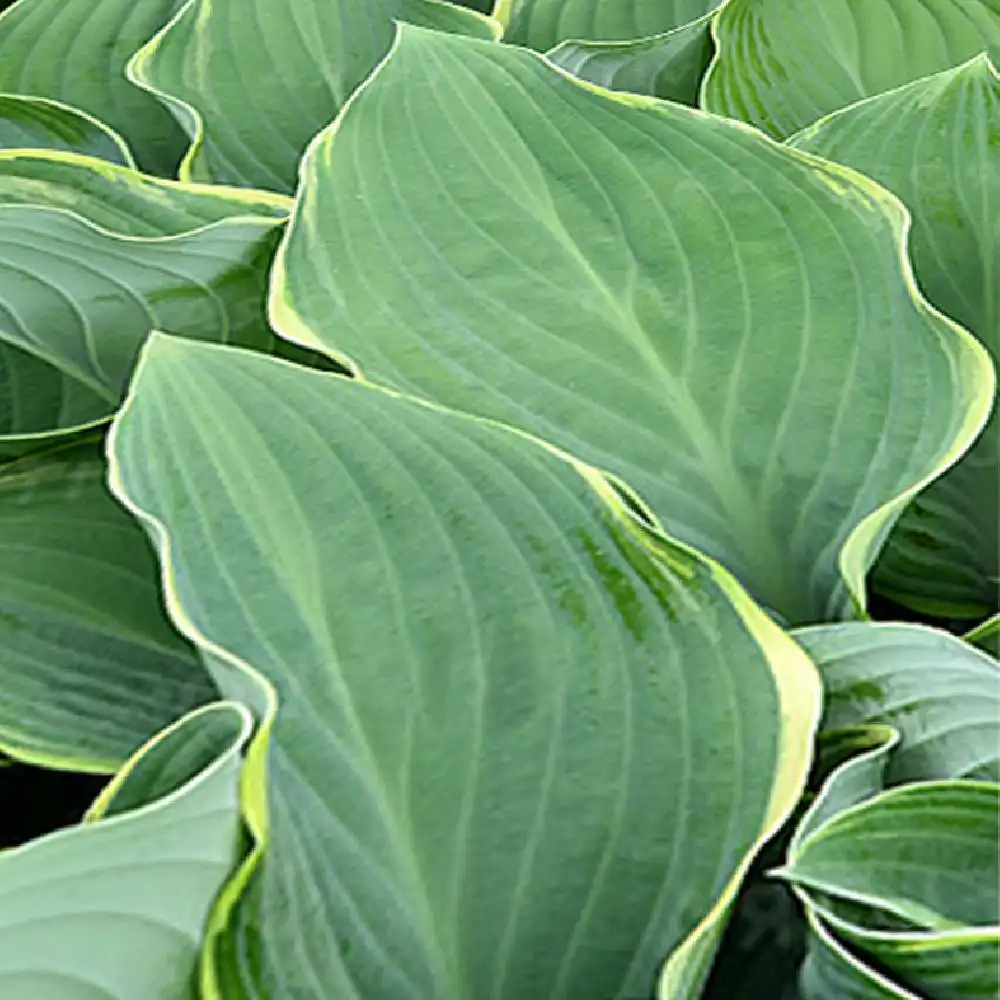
[89, 666]
[75, 51]
[936, 144]
[668, 65]
[115, 909]
[36, 123]
[78, 302]
[253, 82]
[782, 64]
[525, 747]
[542, 24]
[941, 694]
[724, 323]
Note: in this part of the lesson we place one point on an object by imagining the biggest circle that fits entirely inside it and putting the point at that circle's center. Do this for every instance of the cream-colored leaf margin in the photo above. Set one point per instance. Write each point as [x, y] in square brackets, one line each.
[866, 539]
[796, 679]
[187, 115]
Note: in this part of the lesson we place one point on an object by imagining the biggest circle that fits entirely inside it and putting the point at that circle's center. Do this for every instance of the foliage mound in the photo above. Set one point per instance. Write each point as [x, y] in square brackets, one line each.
[501, 502]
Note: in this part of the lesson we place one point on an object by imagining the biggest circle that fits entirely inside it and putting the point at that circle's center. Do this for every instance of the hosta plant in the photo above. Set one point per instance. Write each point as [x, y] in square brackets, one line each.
[503, 501]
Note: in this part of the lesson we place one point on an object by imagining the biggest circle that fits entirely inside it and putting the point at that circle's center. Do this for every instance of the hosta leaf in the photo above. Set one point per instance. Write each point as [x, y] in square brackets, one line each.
[936, 144]
[114, 909]
[987, 635]
[123, 201]
[907, 881]
[524, 746]
[89, 666]
[722, 322]
[542, 24]
[782, 64]
[944, 965]
[941, 694]
[253, 83]
[75, 52]
[36, 123]
[669, 65]
[78, 303]
[878, 872]
[833, 971]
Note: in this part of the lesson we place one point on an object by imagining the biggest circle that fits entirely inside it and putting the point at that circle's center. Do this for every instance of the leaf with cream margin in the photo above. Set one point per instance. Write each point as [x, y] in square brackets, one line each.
[906, 880]
[936, 144]
[670, 65]
[877, 872]
[90, 668]
[728, 325]
[543, 24]
[986, 635]
[115, 909]
[783, 64]
[941, 694]
[79, 301]
[525, 746]
[122, 201]
[253, 82]
[37, 123]
[75, 51]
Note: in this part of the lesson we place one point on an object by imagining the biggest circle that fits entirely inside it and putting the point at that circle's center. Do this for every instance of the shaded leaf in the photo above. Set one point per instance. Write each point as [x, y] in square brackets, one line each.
[78, 303]
[36, 123]
[669, 65]
[89, 666]
[76, 53]
[543, 24]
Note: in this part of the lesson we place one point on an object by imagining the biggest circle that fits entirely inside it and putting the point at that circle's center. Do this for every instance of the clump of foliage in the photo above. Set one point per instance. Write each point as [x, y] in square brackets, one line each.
[452, 460]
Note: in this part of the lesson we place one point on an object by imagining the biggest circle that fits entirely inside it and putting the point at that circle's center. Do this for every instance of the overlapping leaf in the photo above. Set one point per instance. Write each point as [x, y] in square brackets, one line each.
[724, 323]
[900, 887]
[36, 123]
[524, 746]
[76, 53]
[89, 666]
[253, 83]
[668, 65]
[885, 875]
[936, 143]
[782, 64]
[123, 201]
[83, 284]
[115, 909]
[543, 24]
[941, 695]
